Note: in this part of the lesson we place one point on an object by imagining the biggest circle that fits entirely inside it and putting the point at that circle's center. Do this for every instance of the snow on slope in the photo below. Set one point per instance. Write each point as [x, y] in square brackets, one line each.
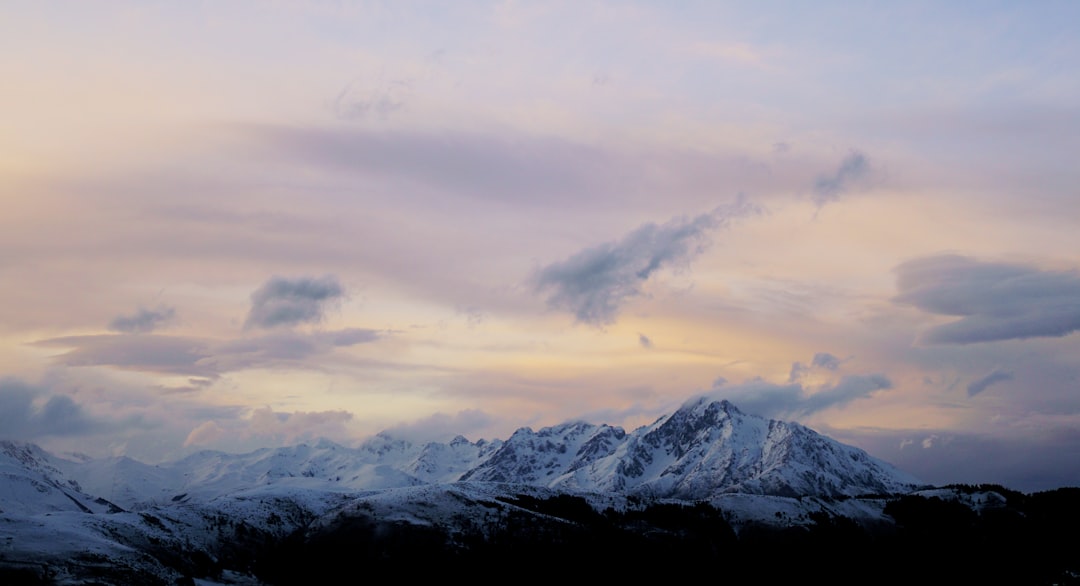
[31, 482]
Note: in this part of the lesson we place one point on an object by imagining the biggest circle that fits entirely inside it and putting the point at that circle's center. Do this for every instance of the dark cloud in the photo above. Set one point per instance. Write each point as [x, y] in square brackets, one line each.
[142, 321]
[826, 361]
[644, 341]
[767, 399]
[995, 301]
[26, 414]
[594, 283]
[980, 385]
[829, 188]
[287, 302]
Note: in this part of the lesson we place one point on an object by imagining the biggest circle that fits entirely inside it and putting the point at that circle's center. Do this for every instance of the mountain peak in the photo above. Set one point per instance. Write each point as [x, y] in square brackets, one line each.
[709, 402]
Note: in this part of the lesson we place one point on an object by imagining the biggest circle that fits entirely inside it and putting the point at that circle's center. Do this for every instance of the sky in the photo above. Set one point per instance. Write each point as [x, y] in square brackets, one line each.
[232, 225]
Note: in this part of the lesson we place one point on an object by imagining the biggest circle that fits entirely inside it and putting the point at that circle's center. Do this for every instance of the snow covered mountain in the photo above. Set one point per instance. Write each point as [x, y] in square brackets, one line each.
[704, 449]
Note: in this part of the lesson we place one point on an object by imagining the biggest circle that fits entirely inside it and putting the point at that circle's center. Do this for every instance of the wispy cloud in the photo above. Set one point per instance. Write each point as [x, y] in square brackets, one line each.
[995, 301]
[829, 188]
[594, 284]
[278, 427]
[981, 384]
[205, 359]
[287, 302]
[442, 427]
[380, 98]
[516, 167]
[146, 353]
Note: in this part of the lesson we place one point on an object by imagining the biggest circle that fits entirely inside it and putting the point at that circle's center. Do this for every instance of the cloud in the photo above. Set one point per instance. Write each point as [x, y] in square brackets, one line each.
[28, 412]
[849, 388]
[645, 341]
[287, 302]
[826, 361]
[348, 336]
[266, 425]
[359, 101]
[142, 321]
[193, 384]
[497, 167]
[980, 385]
[829, 188]
[203, 358]
[821, 360]
[768, 399]
[995, 301]
[593, 284]
[147, 353]
[442, 427]
[298, 424]
[286, 348]
[205, 434]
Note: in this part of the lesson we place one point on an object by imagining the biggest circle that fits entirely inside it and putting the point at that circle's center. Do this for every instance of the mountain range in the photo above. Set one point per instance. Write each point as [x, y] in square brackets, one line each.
[214, 514]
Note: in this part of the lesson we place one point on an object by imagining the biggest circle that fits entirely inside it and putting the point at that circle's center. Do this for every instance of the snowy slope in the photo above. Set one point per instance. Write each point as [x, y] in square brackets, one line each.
[31, 482]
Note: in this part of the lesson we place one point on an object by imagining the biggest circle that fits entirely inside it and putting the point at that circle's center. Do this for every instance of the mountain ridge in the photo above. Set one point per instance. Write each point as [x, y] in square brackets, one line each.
[705, 448]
